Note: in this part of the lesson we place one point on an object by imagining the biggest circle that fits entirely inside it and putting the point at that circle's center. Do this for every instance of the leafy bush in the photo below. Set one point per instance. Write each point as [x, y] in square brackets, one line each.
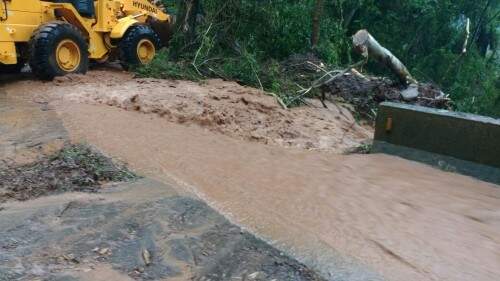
[245, 40]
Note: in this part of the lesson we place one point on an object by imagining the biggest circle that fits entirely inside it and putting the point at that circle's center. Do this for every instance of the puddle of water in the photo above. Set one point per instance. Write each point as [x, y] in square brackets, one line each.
[405, 220]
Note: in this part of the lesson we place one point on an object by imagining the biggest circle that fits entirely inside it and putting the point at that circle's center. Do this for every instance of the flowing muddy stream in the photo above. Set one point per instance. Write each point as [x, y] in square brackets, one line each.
[404, 220]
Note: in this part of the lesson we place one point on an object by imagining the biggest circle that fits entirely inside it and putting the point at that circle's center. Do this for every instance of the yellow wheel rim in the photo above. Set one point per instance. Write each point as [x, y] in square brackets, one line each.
[68, 55]
[145, 51]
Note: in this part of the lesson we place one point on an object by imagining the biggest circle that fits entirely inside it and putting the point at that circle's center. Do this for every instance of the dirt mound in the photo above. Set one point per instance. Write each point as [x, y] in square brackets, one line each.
[223, 107]
[74, 168]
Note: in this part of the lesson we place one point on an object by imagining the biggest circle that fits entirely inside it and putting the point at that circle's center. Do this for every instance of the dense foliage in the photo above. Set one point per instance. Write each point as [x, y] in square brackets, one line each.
[247, 41]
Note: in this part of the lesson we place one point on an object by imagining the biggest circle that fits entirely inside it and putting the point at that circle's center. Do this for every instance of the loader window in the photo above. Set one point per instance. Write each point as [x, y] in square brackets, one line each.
[84, 7]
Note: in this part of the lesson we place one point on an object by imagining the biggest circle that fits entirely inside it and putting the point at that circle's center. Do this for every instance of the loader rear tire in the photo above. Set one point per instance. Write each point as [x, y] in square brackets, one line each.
[138, 46]
[56, 49]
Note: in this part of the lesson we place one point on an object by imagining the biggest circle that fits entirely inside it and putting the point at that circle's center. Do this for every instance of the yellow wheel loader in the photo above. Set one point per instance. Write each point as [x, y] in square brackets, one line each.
[57, 37]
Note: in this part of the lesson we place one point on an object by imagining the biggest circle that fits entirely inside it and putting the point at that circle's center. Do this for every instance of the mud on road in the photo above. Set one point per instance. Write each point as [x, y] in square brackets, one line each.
[222, 107]
[348, 217]
[122, 228]
[141, 231]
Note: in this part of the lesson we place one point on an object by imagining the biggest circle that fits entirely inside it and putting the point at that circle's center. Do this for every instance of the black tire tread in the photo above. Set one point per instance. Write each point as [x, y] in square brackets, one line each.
[128, 44]
[42, 45]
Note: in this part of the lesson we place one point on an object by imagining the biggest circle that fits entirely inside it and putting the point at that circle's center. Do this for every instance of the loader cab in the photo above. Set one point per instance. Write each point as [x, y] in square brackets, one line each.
[86, 8]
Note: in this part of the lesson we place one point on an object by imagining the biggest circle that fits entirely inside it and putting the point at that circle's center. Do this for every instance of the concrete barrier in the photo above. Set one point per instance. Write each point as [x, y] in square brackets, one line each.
[454, 141]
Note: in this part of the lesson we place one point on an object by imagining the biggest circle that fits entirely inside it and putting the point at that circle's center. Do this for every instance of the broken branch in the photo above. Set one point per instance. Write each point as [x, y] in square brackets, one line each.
[367, 46]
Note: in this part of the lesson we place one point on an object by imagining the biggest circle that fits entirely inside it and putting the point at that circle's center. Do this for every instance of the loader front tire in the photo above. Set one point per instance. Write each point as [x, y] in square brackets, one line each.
[138, 46]
[56, 49]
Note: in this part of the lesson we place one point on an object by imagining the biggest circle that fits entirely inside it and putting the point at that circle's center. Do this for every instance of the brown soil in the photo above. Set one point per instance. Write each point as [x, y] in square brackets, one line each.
[222, 107]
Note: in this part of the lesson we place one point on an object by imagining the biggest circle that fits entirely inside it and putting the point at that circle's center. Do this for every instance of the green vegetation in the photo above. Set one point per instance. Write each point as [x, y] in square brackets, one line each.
[248, 41]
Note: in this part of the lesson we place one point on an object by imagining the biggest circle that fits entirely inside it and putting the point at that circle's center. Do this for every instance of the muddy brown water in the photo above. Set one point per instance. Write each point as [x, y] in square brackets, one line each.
[403, 220]
[104, 235]
[222, 107]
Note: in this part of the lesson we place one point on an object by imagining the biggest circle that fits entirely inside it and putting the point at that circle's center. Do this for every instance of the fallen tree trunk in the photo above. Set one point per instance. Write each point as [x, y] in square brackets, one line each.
[367, 46]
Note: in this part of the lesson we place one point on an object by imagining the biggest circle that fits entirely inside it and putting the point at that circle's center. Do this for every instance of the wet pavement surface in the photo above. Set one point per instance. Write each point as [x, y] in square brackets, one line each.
[140, 230]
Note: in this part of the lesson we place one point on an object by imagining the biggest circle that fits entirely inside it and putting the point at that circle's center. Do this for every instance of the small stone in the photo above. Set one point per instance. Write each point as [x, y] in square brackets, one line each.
[70, 258]
[103, 251]
[253, 275]
[146, 256]
[410, 93]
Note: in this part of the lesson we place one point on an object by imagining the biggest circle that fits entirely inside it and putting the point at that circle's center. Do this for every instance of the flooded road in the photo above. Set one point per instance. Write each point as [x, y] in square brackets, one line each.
[359, 217]
[67, 214]
[404, 220]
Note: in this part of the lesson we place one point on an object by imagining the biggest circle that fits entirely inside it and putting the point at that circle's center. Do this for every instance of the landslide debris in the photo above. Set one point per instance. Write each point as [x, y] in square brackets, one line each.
[366, 92]
[222, 107]
[74, 168]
